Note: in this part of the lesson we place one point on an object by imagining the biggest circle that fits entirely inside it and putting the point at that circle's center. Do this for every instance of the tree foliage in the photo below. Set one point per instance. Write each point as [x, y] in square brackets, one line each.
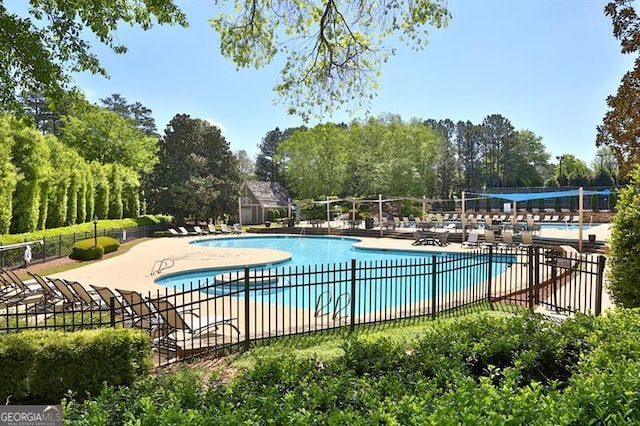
[333, 50]
[246, 166]
[268, 164]
[40, 50]
[197, 175]
[107, 137]
[9, 175]
[136, 112]
[619, 130]
[46, 184]
[384, 155]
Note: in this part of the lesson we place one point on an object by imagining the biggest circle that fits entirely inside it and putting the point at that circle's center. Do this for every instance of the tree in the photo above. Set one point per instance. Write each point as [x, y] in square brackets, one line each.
[30, 155]
[333, 49]
[604, 166]
[619, 130]
[467, 145]
[38, 52]
[39, 109]
[316, 160]
[107, 137]
[9, 176]
[447, 163]
[246, 166]
[268, 165]
[136, 112]
[527, 158]
[197, 175]
[497, 149]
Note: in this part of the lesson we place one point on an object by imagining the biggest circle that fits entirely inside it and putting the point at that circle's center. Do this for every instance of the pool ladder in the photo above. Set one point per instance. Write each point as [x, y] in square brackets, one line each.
[324, 301]
[161, 265]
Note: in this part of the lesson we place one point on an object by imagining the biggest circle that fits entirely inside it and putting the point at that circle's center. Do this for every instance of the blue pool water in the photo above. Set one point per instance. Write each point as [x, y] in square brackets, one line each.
[385, 278]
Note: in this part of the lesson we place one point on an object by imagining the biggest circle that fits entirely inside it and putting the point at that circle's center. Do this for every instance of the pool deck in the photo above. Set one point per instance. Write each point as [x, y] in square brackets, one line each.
[132, 270]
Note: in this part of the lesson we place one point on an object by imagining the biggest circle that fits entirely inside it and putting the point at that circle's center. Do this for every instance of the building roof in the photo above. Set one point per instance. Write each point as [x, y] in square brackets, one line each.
[269, 194]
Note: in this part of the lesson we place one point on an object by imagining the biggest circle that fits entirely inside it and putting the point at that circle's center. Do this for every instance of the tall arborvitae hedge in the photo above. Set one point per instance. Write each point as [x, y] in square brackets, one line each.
[8, 175]
[31, 157]
[131, 195]
[101, 185]
[115, 191]
[72, 196]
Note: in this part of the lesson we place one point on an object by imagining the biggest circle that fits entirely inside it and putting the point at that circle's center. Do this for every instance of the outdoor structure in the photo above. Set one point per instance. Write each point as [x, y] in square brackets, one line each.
[256, 198]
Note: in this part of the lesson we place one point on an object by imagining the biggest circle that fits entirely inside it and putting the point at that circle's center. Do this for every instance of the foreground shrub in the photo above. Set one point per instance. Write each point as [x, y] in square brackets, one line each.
[87, 250]
[624, 259]
[479, 370]
[48, 364]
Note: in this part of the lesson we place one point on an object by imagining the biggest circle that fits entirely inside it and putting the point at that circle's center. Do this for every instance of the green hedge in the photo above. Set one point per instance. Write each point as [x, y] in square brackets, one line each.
[47, 364]
[474, 370]
[87, 250]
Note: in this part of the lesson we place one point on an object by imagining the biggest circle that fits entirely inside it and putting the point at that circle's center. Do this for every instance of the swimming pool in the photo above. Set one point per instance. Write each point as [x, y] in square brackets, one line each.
[321, 276]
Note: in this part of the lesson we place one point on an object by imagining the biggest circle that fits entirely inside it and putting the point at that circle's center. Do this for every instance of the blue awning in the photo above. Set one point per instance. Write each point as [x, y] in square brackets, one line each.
[525, 196]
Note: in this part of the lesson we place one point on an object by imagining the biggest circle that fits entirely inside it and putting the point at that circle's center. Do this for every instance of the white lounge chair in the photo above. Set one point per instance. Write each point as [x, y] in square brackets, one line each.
[184, 231]
[199, 230]
[237, 229]
[472, 241]
[224, 228]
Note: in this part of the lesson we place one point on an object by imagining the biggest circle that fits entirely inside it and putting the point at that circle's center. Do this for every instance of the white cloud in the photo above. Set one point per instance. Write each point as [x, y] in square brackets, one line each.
[215, 123]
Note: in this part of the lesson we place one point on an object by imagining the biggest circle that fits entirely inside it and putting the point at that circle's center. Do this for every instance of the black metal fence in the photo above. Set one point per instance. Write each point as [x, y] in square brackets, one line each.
[60, 246]
[231, 310]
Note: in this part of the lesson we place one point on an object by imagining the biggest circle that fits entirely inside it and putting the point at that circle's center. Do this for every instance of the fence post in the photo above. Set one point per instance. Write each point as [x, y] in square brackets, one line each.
[247, 325]
[59, 245]
[112, 311]
[44, 249]
[599, 285]
[536, 272]
[530, 280]
[434, 288]
[554, 285]
[353, 296]
[489, 273]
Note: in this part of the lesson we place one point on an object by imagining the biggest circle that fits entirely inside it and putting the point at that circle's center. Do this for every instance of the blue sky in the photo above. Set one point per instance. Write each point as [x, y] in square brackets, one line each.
[546, 65]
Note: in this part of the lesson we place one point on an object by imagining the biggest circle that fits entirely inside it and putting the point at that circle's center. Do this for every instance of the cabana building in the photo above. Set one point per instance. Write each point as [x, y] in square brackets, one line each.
[256, 198]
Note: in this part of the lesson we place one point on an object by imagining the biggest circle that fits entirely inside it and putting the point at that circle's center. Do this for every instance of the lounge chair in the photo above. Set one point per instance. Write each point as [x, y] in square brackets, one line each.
[50, 298]
[196, 332]
[89, 301]
[527, 240]
[555, 218]
[114, 303]
[143, 314]
[575, 219]
[237, 229]
[14, 291]
[472, 241]
[546, 218]
[212, 229]
[184, 231]
[489, 238]
[224, 228]
[175, 233]
[199, 230]
[71, 298]
[507, 241]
